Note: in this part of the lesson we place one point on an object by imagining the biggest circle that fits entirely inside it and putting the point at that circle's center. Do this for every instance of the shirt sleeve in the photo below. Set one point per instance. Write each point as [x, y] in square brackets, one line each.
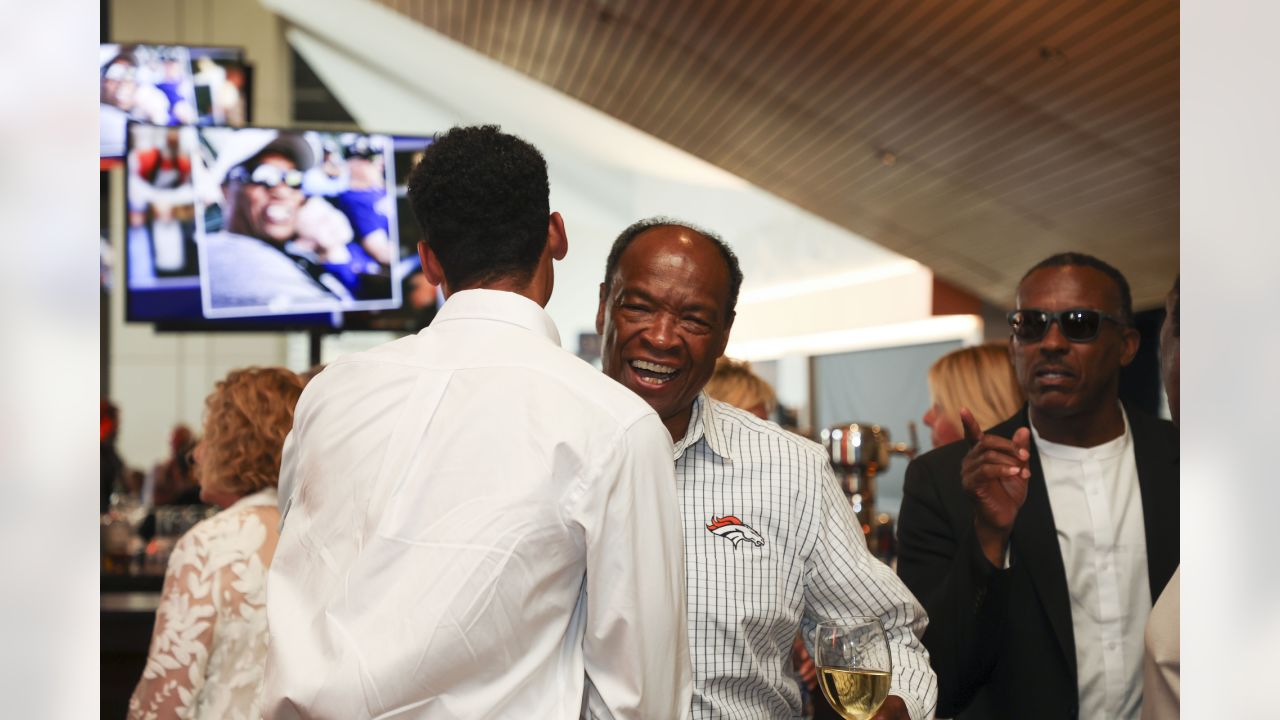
[842, 578]
[183, 635]
[288, 474]
[635, 646]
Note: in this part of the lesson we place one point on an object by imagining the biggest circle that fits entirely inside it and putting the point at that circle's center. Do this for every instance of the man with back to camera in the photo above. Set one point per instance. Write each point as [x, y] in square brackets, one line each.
[479, 524]
[1038, 545]
[270, 253]
[771, 544]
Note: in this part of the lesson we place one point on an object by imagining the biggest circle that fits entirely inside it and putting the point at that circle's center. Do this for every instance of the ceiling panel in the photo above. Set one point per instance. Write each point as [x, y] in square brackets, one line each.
[976, 136]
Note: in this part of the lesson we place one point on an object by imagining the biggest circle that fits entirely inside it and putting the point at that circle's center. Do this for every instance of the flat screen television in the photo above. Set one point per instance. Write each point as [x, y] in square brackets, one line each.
[169, 85]
[268, 229]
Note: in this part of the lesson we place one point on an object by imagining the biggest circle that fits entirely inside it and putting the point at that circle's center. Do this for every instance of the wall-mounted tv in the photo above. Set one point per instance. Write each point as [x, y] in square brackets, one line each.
[258, 228]
[169, 85]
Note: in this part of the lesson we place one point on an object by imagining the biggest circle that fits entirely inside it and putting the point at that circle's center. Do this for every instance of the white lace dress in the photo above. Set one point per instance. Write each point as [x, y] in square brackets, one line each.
[210, 640]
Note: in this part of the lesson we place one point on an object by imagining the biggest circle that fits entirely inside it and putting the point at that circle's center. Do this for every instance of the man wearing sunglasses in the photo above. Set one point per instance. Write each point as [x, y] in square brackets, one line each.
[1038, 545]
[272, 250]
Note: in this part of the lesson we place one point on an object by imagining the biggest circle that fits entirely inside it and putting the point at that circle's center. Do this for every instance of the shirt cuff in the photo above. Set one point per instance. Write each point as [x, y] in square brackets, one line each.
[914, 708]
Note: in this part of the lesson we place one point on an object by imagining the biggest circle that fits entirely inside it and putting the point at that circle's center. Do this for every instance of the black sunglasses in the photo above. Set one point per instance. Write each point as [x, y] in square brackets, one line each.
[1077, 324]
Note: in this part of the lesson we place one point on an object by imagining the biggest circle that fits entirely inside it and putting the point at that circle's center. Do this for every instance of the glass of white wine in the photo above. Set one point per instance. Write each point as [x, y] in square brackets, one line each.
[854, 667]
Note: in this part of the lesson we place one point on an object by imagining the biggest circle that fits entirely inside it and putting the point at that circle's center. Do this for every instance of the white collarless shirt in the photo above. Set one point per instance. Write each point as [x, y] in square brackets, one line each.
[1097, 512]
[772, 546]
[480, 526]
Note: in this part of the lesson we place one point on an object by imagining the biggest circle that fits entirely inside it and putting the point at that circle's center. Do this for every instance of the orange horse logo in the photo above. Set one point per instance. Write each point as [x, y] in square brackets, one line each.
[733, 529]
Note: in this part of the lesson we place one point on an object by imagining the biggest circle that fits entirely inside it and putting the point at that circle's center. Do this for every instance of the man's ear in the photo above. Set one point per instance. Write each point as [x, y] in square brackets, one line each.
[557, 238]
[1132, 340]
[600, 312]
[431, 266]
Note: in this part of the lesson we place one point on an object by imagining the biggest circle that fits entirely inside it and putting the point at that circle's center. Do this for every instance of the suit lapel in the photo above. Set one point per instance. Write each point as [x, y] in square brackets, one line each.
[1034, 544]
[1157, 463]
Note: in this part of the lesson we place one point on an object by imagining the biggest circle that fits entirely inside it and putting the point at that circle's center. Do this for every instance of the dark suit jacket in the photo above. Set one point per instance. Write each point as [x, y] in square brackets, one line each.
[1001, 640]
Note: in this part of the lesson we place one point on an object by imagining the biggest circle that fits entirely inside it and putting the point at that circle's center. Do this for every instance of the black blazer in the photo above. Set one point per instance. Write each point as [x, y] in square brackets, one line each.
[1001, 640]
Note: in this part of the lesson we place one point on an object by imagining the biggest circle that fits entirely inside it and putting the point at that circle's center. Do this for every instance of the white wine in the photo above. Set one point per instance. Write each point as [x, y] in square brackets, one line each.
[853, 692]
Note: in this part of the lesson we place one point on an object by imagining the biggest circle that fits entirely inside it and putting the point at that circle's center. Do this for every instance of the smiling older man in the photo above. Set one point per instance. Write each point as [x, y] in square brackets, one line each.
[771, 544]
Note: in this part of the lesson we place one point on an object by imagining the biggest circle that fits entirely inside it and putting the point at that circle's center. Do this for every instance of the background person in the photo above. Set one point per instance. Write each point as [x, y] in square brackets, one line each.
[210, 638]
[1037, 546]
[735, 383]
[979, 379]
[1162, 656]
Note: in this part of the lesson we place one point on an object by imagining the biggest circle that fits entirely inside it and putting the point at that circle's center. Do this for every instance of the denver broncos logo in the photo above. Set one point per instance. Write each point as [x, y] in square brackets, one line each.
[734, 530]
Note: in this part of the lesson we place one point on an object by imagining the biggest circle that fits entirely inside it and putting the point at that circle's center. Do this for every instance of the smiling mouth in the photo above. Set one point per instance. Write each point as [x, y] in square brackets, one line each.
[651, 373]
[278, 213]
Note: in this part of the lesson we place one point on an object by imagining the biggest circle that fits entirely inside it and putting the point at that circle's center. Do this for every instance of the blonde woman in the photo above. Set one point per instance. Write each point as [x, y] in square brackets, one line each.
[210, 640]
[734, 382]
[979, 378]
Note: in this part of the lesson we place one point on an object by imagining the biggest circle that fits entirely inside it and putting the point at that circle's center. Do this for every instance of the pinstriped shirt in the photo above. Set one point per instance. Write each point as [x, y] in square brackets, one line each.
[772, 546]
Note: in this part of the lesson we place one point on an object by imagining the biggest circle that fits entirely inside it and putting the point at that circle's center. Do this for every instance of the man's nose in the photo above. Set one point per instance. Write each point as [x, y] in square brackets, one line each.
[661, 333]
[1054, 341]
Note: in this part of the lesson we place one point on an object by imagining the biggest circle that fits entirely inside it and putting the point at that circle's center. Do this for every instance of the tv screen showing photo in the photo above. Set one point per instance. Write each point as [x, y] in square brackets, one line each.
[168, 85]
[258, 227]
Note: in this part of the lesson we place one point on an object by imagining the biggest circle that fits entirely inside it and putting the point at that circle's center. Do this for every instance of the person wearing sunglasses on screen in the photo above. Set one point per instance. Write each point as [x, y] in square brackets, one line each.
[273, 251]
[1038, 545]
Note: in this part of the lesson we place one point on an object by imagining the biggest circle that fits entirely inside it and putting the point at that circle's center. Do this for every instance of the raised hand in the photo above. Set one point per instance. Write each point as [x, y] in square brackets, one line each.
[994, 473]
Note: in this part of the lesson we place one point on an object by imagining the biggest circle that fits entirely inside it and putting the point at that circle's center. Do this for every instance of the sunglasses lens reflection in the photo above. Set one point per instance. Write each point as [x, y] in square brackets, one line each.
[1028, 325]
[1080, 325]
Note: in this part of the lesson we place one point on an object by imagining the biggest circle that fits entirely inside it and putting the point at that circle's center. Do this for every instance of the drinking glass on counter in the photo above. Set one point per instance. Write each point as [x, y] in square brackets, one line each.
[854, 667]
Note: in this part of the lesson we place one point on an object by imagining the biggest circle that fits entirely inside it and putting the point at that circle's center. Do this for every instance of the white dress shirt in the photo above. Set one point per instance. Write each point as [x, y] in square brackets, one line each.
[1097, 511]
[481, 526]
[772, 546]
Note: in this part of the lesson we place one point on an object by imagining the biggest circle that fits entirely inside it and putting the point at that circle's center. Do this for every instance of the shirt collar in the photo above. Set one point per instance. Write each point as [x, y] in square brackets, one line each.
[704, 424]
[1107, 449]
[499, 305]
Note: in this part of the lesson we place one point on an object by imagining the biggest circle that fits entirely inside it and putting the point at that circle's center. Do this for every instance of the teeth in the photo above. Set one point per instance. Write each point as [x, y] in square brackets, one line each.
[277, 213]
[652, 367]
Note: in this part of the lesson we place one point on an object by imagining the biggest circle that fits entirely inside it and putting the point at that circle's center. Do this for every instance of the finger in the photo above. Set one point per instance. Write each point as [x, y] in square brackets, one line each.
[1000, 457]
[992, 449]
[1022, 440]
[972, 430]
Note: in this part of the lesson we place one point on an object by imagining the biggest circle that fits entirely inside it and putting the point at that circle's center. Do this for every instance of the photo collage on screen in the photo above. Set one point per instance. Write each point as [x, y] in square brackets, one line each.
[169, 85]
[261, 223]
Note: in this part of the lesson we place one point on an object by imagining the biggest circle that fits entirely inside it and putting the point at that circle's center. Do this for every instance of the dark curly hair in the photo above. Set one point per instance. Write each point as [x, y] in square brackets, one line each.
[638, 228]
[1083, 260]
[481, 199]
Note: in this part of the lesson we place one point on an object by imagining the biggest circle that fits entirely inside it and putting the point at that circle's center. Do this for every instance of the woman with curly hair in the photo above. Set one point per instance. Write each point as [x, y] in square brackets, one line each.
[209, 645]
